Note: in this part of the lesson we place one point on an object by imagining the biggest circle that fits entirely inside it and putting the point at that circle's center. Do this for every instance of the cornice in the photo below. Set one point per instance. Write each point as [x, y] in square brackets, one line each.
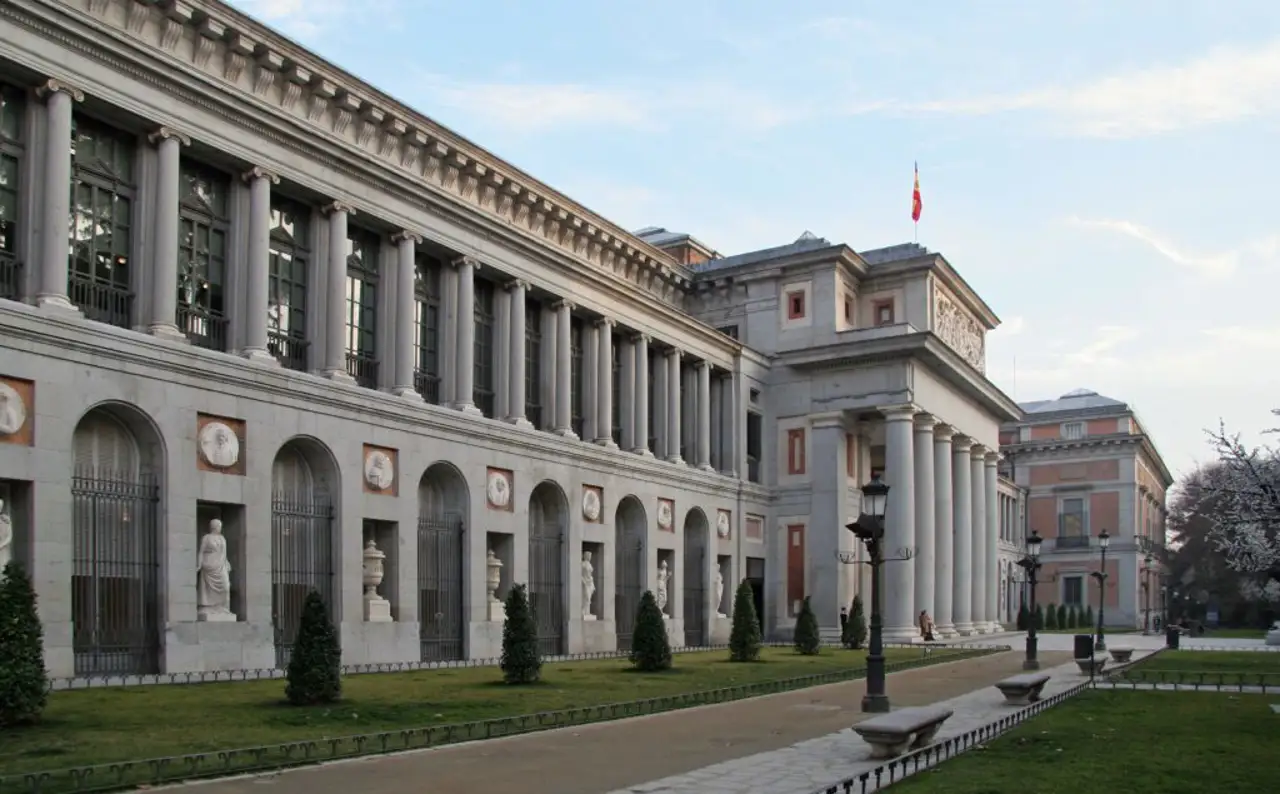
[937, 264]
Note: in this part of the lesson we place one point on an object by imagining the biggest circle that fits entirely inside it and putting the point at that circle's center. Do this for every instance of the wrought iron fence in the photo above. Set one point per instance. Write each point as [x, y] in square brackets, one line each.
[440, 577]
[301, 561]
[105, 303]
[628, 570]
[10, 276]
[204, 327]
[546, 574]
[695, 587]
[289, 350]
[428, 385]
[1139, 678]
[364, 368]
[222, 763]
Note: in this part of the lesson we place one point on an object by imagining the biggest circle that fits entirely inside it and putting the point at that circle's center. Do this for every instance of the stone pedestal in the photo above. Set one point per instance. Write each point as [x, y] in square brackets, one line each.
[497, 611]
[217, 617]
[377, 610]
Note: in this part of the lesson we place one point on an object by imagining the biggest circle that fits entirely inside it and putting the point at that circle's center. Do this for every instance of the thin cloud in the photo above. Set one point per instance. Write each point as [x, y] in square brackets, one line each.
[1217, 265]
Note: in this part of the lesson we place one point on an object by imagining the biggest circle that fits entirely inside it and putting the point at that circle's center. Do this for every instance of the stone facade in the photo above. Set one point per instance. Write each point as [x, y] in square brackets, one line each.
[299, 308]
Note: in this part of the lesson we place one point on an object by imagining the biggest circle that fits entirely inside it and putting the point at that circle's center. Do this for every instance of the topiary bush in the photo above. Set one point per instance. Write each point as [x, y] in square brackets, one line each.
[1062, 616]
[807, 640]
[1024, 616]
[521, 662]
[1051, 617]
[1039, 617]
[1088, 618]
[855, 628]
[314, 675]
[1073, 617]
[744, 639]
[650, 648]
[23, 685]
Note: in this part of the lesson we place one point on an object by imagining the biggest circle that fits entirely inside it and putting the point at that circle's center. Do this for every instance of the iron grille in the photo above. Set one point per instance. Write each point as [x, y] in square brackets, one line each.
[546, 578]
[101, 302]
[10, 276]
[629, 571]
[695, 586]
[428, 385]
[301, 561]
[441, 551]
[203, 327]
[289, 350]
[364, 368]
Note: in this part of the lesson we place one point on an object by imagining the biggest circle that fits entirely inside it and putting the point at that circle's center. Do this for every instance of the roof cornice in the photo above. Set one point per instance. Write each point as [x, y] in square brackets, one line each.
[938, 265]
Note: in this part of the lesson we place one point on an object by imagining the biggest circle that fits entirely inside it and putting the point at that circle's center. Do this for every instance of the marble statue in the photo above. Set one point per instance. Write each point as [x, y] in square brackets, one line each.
[213, 577]
[720, 593]
[588, 585]
[6, 537]
[13, 411]
[663, 575]
[219, 446]
[497, 609]
[376, 608]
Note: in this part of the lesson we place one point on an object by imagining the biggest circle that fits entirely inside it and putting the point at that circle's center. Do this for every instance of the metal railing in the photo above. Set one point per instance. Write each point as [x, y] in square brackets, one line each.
[221, 763]
[1138, 678]
[428, 385]
[290, 351]
[10, 276]
[1071, 542]
[104, 303]
[204, 327]
[364, 368]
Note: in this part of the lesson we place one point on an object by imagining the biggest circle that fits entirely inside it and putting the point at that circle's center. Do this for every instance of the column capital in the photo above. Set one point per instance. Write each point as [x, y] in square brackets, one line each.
[828, 419]
[672, 352]
[898, 413]
[640, 338]
[406, 236]
[55, 86]
[167, 133]
[564, 304]
[943, 433]
[925, 423]
[516, 284]
[465, 259]
[604, 322]
[977, 451]
[337, 206]
[993, 459]
[961, 443]
[258, 172]
[704, 364]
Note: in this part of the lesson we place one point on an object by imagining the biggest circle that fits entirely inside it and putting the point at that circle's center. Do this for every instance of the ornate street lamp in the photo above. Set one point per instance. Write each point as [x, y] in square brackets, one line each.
[869, 528]
[1100, 642]
[1148, 565]
[1030, 563]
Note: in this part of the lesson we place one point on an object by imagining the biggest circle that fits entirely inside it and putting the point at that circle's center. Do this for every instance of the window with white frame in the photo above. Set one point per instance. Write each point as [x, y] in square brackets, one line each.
[1073, 430]
[1073, 591]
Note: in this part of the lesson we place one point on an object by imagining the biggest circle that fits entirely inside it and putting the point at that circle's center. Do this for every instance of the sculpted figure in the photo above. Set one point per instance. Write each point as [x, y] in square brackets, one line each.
[663, 576]
[6, 537]
[588, 585]
[213, 577]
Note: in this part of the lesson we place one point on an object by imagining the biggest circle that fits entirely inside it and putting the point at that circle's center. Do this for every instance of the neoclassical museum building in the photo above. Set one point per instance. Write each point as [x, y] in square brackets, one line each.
[264, 330]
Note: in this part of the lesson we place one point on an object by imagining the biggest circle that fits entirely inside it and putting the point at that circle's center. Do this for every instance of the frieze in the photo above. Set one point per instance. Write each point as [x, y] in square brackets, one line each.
[957, 328]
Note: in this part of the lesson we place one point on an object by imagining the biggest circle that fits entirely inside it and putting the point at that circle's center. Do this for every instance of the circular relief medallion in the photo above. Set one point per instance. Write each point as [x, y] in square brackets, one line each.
[591, 505]
[499, 489]
[13, 411]
[379, 471]
[722, 525]
[219, 445]
[664, 515]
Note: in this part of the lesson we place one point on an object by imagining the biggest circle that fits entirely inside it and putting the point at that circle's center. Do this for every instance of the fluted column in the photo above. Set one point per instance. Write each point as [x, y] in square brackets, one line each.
[899, 534]
[977, 591]
[164, 269]
[962, 520]
[604, 384]
[704, 416]
[406, 266]
[55, 209]
[258, 266]
[991, 589]
[626, 395]
[335, 346]
[519, 291]
[641, 413]
[673, 406]
[943, 566]
[924, 530]
[564, 361]
[465, 374]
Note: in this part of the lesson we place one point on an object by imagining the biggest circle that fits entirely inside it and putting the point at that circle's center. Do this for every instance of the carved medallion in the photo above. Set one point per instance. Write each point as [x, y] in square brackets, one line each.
[219, 445]
[13, 411]
[666, 515]
[722, 524]
[498, 489]
[591, 503]
[379, 470]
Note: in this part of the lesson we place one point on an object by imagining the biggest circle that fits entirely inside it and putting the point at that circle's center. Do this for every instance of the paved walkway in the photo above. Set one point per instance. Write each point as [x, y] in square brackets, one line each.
[603, 757]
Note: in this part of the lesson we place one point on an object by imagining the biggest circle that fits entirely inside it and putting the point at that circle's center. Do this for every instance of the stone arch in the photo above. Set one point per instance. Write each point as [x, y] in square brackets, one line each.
[116, 592]
[443, 510]
[694, 584]
[630, 563]
[548, 559]
[305, 486]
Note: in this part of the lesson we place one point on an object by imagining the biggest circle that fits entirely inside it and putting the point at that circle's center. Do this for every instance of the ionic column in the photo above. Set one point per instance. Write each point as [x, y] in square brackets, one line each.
[717, 427]
[704, 416]
[604, 384]
[925, 497]
[406, 267]
[519, 291]
[899, 533]
[335, 347]
[943, 570]
[564, 360]
[465, 375]
[449, 334]
[627, 393]
[164, 271]
[258, 266]
[992, 588]
[977, 591]
[641, 413]
[55, 209]
[673, 406]
[962, 519]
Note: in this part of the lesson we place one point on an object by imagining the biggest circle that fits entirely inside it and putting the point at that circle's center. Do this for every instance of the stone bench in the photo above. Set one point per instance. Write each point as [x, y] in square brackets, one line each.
[892, 734]
[1093, 665]
[1019, 690]
[1121, 655]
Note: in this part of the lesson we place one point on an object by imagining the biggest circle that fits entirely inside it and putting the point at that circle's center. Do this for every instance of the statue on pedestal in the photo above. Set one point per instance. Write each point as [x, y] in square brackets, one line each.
[376, 608]
[497, 609]
[663, 576]
[720, 592]
[213, 577]
[588, 586]
[6, 536]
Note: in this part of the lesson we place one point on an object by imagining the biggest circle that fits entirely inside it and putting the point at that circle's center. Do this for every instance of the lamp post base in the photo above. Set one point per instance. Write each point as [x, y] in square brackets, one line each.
[1100, 645]
[1030, 664]
[875, 704]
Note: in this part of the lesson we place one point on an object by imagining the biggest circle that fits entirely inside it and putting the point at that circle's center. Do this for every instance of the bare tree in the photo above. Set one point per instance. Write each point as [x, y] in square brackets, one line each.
[1247, 496]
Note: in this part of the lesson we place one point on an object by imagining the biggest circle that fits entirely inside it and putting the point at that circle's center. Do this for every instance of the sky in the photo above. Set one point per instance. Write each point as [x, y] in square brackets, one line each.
[1102, 172]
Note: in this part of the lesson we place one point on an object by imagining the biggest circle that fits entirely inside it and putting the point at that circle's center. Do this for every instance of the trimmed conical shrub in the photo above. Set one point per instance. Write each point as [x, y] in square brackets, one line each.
[1062, 616]
[1024, 618]
[315, 674]
[23, 685]
[1089, 621]
[1051, 617]
[521, 662]
[1073, 617]
[1039, 616]
[650, 648]
[806, 635]
[855, 628]
[744, 640]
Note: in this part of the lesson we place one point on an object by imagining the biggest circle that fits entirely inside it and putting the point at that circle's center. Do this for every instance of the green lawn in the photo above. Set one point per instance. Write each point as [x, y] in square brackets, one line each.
[1236, 634]
[1143, 742]
[95, 726]
[1210, 662]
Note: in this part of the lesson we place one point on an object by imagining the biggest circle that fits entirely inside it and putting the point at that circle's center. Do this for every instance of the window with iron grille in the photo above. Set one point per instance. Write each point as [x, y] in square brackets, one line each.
[102, 192]
[576, 383]
[1073, 430]
[482, 390]
[289, 272]
[363, 249]
[1073, 590]
[426, 357]
[12, 108]
[203, 224]
[615, 419]
[533, 362]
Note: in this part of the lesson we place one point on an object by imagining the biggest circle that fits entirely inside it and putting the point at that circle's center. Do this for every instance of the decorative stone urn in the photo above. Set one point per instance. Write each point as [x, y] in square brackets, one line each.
[497, 609]
[376, 608]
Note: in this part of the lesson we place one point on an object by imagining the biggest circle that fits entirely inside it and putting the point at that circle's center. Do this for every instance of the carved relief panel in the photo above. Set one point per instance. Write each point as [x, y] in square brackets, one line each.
[955, 326]
[499, 488]
[380, 470]
[220, 443]
[666, 515]
[17, 411]
[592, 503]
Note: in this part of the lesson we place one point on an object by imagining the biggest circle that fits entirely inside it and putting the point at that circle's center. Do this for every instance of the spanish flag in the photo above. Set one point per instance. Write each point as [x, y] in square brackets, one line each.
[916, 204]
